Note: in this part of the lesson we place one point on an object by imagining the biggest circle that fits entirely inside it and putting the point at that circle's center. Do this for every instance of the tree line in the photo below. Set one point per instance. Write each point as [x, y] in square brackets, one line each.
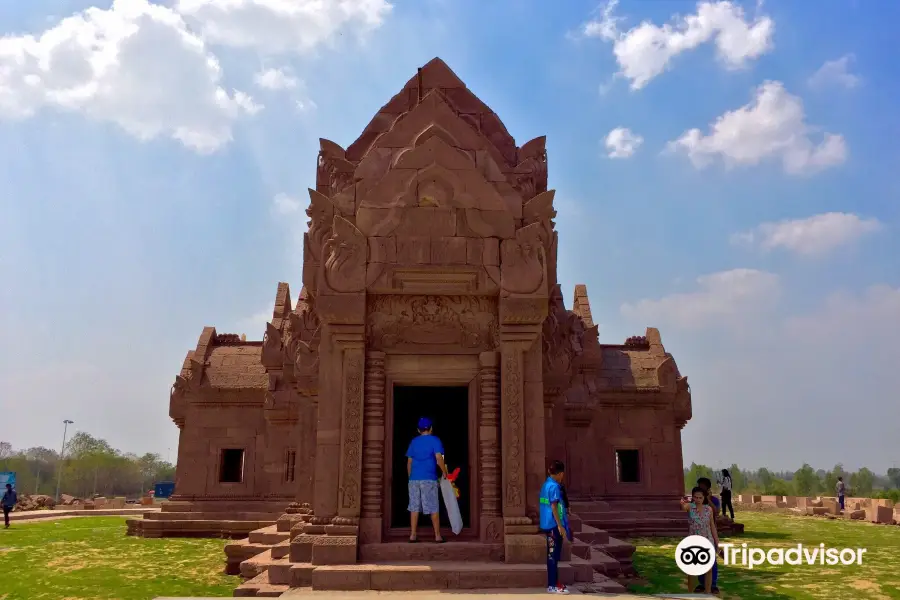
[805, 481]
[90, 467]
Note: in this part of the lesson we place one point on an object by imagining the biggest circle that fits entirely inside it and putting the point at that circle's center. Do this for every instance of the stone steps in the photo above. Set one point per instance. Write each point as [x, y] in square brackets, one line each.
[154, 528]
[212, 516]
[238, 551]
[259, 587]
[435, 576]
[430, 552]
[269, 535]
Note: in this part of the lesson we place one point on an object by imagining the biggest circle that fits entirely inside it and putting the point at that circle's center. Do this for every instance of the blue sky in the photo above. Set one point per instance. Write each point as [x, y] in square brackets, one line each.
[154, 159]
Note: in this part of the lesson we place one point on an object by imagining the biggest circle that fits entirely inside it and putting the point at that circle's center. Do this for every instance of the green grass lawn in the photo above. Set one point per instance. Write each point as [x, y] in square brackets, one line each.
[878, 577]
[91, 558]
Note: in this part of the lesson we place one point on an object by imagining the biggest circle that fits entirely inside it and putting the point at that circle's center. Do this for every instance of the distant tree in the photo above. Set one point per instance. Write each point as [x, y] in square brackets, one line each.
[862, 482]
[694, 473]
[805, 481]
[779, 487]
[894, 476]
[829, 482]
[738, 479]
[5, 450]
[765, 478]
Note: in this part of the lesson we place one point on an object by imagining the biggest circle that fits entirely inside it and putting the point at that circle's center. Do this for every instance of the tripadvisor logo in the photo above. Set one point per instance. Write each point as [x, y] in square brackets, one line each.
[695, 555]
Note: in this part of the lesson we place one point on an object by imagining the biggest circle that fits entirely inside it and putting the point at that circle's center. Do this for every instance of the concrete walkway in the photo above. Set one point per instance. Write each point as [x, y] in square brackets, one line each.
[451, 595]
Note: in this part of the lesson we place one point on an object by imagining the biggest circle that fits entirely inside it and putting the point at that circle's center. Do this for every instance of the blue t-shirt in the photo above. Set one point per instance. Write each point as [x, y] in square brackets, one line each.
[552, 492]
[422, 451]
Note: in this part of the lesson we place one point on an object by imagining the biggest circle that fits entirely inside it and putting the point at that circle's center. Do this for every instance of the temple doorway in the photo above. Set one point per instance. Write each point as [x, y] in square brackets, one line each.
[448, 408]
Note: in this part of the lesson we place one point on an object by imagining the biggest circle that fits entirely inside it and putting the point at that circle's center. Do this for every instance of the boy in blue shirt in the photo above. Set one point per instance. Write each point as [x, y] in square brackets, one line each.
[554, 524]
[423, 458]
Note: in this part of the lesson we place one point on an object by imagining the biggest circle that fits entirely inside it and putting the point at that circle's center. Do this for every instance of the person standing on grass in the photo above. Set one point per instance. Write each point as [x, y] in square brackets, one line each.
[840, 489]
[9, 502]
[705, 485]
[554, 524]
[726, 493]
[702, 522]
[423, 458]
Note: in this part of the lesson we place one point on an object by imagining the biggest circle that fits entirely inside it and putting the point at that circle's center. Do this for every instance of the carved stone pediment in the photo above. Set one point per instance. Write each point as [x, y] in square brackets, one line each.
[417, 322]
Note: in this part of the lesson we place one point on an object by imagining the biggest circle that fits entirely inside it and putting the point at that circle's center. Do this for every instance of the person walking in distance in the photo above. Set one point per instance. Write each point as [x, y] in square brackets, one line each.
[840, 489]
[554, 524]
[423, 458]
[9, 502]
[726, 493]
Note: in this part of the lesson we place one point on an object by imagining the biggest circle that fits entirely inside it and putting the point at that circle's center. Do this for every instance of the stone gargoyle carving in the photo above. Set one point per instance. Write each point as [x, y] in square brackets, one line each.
[522, 261]
[345, 257]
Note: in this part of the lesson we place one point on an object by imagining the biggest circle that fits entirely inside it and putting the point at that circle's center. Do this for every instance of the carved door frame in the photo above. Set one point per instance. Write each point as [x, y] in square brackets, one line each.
[457, 370]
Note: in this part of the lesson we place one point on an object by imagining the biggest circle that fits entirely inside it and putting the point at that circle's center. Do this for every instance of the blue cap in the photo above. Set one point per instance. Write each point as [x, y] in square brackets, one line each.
[424, 423]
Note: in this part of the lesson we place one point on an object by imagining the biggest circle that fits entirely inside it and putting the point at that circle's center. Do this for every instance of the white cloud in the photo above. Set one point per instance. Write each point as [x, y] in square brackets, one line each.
[276, 79]
[812, 237]
[772, 125]
[136, 64]
[254, 326]
[621, 142]
[720, 297]
[286, 205]
[835, 72]
[278, 26]
[647, 50]
[867, 318]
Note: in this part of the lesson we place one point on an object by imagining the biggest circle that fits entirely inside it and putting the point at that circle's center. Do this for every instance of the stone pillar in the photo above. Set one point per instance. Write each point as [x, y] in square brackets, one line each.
[533, 409]
[513, 429]
[350, 483]
[490, 519]
[520, 396]
[370, 526]
[328, 431]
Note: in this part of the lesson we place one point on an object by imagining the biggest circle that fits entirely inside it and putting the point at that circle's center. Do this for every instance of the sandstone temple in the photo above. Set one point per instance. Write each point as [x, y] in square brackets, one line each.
[429, 289]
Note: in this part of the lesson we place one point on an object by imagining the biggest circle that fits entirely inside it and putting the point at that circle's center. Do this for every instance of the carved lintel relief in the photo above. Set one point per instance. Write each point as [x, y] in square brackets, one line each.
[345, 257]
[513, 432]
[522, 261]
[397, 321]
[351, 434]
[321, 218]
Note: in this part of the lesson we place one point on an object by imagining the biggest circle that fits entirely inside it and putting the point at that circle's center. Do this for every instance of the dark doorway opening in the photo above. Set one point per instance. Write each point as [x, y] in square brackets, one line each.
[448, 409]
[628, 466]
[231, 466]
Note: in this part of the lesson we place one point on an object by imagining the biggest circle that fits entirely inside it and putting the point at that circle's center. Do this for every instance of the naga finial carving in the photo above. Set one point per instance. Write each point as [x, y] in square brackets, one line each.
[334, 170]
[522, 261]
[272, 347]
[345, 257]
[321, 216]
[530, 175]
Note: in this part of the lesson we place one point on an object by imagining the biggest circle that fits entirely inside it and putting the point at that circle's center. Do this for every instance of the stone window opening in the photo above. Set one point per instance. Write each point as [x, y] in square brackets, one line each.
[290, 463]
[628, 466]
[231, 465]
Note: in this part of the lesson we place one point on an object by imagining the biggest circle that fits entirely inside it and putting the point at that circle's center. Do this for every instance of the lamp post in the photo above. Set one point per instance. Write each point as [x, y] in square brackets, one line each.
[62, 453]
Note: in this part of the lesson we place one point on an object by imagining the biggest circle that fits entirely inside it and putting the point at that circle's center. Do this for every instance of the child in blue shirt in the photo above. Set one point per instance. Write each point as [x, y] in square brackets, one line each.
[554, 524]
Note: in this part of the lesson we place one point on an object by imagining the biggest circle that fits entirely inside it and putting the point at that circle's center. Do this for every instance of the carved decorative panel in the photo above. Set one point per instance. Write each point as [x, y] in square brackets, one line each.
[412, 322]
